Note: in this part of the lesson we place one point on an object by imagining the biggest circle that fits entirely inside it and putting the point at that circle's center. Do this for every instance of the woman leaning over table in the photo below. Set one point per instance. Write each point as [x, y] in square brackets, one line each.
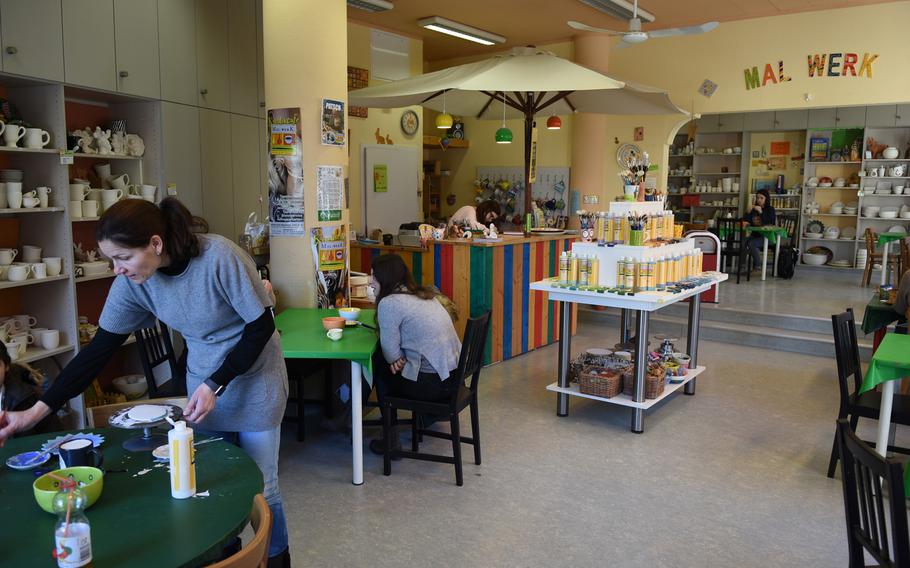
[207, 288]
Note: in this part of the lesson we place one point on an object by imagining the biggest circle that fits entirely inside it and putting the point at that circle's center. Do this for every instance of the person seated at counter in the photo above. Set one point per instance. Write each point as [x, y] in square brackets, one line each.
[20, 388]
[478, 217]
[420, 347]
[761, 214]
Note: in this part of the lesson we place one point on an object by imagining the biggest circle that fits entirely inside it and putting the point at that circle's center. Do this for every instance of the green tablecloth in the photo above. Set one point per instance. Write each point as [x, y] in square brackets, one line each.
[302, 336]
[878, 315]
[890, 362]
[884, 238]
[770, 232]
[135, 522]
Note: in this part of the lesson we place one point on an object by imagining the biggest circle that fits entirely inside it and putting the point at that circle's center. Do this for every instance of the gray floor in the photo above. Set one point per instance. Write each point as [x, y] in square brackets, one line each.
[732, 476]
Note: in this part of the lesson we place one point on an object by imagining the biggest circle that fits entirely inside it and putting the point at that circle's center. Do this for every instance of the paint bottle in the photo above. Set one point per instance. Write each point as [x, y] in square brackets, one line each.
[699, 262]
[624, 234]
[72, 532]
[564, 267]
[599, 228]
[660, 274]
[617, 229]
[628, 278]
[183, 461]
[593, 271]
[573, 270]
[608, 228]
[583, 267]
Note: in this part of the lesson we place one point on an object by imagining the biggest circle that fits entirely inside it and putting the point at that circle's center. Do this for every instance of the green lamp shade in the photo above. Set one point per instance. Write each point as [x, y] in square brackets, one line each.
[503, 136]
[444, 121]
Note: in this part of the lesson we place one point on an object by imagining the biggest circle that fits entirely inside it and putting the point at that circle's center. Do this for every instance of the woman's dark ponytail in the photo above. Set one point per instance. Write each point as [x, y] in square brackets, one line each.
[132, 223]
[180, 239]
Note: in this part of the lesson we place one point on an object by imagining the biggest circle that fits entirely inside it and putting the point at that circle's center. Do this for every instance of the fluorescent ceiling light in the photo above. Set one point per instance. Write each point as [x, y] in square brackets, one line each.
[619, 9]
[442, 25]
[371, 5]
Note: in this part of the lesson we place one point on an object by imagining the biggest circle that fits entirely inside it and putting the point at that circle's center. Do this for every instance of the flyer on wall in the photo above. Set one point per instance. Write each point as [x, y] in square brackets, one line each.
[330, 259]
[332, 122]
[329, 193]
[285, 173]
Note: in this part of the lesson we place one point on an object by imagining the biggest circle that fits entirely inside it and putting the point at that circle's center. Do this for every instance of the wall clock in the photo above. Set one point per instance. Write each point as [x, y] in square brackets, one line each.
[625, 152]
[409, 122]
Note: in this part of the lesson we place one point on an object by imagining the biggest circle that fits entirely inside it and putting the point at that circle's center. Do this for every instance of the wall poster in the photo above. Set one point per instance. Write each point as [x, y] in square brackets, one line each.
[333, 128]
[329, 193]
[330, 260]
[285, 173]
[380, 178]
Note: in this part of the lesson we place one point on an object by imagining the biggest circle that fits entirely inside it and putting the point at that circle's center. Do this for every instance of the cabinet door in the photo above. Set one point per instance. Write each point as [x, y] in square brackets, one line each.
[791, 119]
[136, 35]
[881, 115]
[177, 51]
[245, 163]
[260, 60]
[217, 185]
[758, 121]
[822, 118]
[242, 57]
[212, 54]
[32, 38]
[730, 122]
[708, 123]
[849, 117]
[88, 34]
[902, 115]
[181, 153]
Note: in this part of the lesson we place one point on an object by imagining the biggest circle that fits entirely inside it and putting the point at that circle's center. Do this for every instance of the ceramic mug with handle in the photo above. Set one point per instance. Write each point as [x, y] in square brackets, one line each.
[36, 138]
[89, 208]
[7, 256]
[43, 195]
[12, 134]
[54, 265]
[48, 338]
[119, 182]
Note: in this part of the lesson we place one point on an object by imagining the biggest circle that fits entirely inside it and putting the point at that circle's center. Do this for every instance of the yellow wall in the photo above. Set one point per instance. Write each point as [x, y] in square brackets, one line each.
[792, 174]
[681, 64]
[386, 120]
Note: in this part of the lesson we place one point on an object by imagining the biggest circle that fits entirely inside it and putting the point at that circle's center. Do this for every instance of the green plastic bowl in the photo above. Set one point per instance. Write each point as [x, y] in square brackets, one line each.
[90, 479]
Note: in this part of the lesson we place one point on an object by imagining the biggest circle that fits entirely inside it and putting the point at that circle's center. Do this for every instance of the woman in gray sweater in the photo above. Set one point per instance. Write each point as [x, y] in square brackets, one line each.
[420, 347]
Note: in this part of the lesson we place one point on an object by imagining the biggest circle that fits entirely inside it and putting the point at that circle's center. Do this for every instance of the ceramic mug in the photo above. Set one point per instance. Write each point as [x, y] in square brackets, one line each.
[7, 256]
[119, 182]
[31, 253]
[36, 138]
[30, 202]
[111, 194]
[43, 195]
[54, 265]
[18, 272]
[48, 339]
[107, 204]
[89, 208]
[23, 337]
[39, 269]
[334, 334]
[103, 171]
[78, 191]
[25, 321]
[76, 209]
[12, 134]
[79, 453]
[12, 349]
[14, 194]
[148, 192]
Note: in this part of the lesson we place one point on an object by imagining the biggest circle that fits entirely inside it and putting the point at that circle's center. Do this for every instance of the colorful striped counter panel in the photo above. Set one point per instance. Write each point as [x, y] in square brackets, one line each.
[489, 276]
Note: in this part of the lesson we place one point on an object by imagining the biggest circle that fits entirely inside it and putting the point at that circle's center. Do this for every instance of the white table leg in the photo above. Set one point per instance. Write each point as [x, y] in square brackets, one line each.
[357, 421]
[885, 264]
[776, 254]
[764, 257]
[884, 418]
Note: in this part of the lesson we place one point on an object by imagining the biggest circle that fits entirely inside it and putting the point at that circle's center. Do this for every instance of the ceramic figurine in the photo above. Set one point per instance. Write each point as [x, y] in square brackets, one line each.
[85, 141]
[118, 143]
[102, 140]
[134, 145]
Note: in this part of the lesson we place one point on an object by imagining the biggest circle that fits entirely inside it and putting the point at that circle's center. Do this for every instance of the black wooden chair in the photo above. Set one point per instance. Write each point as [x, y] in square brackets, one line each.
[854, 405]
[870, 521]
[470, 363]
[790, 223]
[156, 348]
[733, 247]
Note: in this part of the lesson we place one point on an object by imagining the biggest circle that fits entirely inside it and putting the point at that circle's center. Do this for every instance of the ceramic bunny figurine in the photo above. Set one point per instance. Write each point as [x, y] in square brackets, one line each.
[118, 143]
[86, 141]
[102, 140]
[134, 145]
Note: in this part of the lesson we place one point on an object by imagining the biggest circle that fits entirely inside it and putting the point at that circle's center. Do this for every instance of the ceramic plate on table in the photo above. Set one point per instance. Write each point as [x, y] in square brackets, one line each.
[28, 460]
[147, 413]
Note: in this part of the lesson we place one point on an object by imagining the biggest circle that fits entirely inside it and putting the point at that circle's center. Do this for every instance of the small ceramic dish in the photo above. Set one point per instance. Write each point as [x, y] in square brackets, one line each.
[28, 460]
[162, 452]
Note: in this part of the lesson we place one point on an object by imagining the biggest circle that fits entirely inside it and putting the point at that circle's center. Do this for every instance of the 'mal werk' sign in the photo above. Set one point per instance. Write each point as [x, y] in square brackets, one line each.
[819, 65]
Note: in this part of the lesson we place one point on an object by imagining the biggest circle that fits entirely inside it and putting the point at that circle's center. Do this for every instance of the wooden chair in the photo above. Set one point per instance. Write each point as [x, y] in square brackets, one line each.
[256, 553]
[872, 257]
[470, 363]
[869, 518]
[905, 259]
[788, 222]
[156, 348]
[98, 416]
[854, 405]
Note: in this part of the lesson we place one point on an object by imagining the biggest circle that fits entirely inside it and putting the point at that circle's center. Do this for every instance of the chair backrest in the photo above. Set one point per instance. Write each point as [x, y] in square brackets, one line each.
[870, 237]
[868, 517]
[846, 351]
[471, 359]
[731, 231]
[98, 416]
[905, 258]
[155, 348]
[256, 553]
[788, 222]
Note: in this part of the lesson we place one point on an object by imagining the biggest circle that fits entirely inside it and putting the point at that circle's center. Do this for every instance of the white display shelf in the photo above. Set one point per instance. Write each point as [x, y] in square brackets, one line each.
[105, 156]
[84, 219]
[33, 354]
[832, 187]
[729, 174]
[832, 163]
[626, 400]
[884, 177]
[885, 160]
[885, 195]
[24, 210]
[898, 219]
[716, 154]
[830, 240]
[108, 274]
[829, 215]
[19, 150]
[714, 193]
[32, 281]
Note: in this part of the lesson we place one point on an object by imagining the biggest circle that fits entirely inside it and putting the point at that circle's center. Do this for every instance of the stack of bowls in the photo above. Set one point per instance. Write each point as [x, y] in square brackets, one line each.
[861, 257]
[11, 175]
[888, 213]
[871, 211]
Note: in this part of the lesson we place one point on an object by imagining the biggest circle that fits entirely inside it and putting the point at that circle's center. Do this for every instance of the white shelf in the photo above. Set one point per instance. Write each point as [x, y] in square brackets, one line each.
[19, 150]
[884, 177]
[714, 154]
[831, 163]
[885, 195]
[626, 400]
[108, 274]
[105, 156]
[32, 354]
[829, 215]
[22, 210]
[885, 160]
[85, 219]
[713, 193]
[898, 219]
[832, 187]
[730, 174]
[830, 240]
[32, 281]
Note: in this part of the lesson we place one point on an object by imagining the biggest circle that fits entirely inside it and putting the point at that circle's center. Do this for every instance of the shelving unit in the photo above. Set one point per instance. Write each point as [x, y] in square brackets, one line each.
[708, 172]
[679, 170]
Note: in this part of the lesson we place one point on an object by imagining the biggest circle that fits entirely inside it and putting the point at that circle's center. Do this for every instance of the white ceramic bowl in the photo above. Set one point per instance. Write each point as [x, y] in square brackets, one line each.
[836, 210]
[888, 214]
[133, 386]
[96, 267]
[890, 153]
[814, 235]
[349, 314]
[905, 215]
[871, 211]
[814, 259]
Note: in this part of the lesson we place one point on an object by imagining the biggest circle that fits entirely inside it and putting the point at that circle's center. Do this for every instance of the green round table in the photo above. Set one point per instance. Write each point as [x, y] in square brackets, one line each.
[136, 522]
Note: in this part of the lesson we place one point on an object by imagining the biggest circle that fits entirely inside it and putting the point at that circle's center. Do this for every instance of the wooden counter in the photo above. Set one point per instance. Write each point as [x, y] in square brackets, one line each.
[482, 276]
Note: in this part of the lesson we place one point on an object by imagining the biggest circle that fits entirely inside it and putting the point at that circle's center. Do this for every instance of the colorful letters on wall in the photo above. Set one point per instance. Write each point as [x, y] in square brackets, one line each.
[818, 65]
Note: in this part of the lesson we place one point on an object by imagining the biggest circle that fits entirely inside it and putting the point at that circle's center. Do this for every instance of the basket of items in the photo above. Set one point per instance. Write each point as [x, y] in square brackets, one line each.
[654, 381]
[600, 381]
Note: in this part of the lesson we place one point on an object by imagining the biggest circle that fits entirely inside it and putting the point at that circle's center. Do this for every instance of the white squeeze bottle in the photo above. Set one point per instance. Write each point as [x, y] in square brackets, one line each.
[183, 461]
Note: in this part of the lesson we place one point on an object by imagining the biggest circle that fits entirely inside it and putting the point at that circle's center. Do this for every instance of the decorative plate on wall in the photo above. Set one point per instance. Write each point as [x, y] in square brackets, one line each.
[409, 122]
[626, 151]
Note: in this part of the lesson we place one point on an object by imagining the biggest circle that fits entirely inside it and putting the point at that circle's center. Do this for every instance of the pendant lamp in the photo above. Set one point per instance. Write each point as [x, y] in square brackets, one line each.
[554, 123]
[444, 121]
[503, 135]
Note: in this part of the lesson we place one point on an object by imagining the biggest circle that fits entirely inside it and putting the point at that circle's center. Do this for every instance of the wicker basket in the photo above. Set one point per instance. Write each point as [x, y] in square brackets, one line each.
[605, 383]
[654, 381]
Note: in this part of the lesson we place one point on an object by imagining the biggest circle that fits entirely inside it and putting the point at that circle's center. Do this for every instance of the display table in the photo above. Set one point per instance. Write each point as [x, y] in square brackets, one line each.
[302, 337]
[135, 522]
[884, 241]
[876, 319]
[643, 303]
[767, 232]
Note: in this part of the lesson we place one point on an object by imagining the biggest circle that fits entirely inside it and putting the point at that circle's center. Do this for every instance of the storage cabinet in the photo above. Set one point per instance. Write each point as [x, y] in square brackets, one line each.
[881, 115]
[212, 48]
[245, 170]
[791, 119]
[136, 38]
[181, 153]
[32, 35]
[850, 117]
[217, 183]
[822, 117]
[902, 116]
[758, 121]
[242, 55]
[177, 51]
[732, 122]
[88, 34]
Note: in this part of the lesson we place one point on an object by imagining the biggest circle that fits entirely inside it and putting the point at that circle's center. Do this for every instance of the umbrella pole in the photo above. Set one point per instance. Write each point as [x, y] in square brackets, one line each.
[529, 125]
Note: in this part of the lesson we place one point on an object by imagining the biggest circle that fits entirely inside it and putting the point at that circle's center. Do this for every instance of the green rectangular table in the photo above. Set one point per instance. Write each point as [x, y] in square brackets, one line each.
[768, 231]
[890, 363]
[302, 337]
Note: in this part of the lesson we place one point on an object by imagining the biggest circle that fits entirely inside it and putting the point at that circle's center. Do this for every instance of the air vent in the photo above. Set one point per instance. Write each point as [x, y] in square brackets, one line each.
[371, 5]
[619, 9]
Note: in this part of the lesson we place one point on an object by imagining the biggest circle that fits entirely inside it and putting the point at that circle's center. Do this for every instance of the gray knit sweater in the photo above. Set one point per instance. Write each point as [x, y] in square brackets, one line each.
[419, 330]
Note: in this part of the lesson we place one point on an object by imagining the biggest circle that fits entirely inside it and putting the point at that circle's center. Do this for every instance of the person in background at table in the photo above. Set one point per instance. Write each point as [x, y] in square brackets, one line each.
[20, 388]
[761, 214]
[420, 347]
[207, 288]
[902, 302]
[478, 217]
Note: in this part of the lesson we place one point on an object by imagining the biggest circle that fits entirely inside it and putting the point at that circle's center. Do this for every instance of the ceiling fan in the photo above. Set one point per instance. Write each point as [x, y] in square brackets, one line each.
[635, 35]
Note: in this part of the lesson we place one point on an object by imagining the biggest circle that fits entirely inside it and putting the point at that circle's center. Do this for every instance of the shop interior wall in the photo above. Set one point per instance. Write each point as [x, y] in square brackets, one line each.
[761, 142]
[363, 130]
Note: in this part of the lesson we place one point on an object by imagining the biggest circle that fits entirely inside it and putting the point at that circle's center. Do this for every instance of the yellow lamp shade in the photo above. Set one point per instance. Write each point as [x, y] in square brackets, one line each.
[444, 121]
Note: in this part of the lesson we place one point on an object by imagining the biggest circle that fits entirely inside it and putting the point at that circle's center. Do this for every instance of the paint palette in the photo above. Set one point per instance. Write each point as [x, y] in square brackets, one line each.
[28, 460]
[147, 413]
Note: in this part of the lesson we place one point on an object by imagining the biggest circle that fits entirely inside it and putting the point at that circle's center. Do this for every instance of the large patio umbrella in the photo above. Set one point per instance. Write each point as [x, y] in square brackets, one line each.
[527, 81]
